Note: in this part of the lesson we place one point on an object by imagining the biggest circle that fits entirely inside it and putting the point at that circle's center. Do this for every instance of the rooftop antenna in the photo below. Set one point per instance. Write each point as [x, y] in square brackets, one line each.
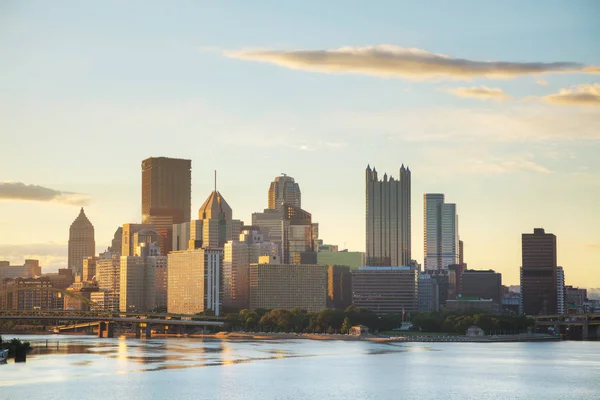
[215, 180]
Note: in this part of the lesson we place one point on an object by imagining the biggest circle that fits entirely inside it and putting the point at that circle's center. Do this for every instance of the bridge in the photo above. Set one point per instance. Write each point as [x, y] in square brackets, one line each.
[106, 321]
[581, 326]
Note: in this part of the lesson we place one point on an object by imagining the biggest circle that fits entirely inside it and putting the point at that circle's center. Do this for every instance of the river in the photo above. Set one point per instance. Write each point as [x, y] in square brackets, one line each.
[85, 367]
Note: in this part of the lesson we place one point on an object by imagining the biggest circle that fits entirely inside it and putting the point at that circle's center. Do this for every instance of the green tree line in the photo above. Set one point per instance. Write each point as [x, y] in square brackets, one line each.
[459, 323]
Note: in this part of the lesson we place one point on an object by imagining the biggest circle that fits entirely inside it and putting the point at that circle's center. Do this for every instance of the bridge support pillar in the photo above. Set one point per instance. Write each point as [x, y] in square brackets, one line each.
[110, 329]
[138, 331]
[584, 329]
[148, 331]
[101, 328]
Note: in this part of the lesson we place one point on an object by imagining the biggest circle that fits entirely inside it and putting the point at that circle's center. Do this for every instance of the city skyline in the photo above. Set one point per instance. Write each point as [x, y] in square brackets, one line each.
[513, 153]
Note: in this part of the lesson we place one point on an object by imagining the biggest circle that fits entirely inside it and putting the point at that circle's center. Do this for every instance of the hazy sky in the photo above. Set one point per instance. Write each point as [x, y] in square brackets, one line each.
[497, 105]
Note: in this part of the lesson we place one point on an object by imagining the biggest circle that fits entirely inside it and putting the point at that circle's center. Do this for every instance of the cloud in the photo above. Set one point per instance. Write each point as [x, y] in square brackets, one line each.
[505, 167]
[541, 82]
[580, 95]
[483, 93]
[394, 61]
[20, 191]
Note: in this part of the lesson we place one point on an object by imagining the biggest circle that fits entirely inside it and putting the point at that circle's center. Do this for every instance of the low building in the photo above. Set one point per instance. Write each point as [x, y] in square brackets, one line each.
[286, 286]
[30, 269]
[359, 330]
[386, 290]
[352, 259]
[475, 331]
[29, 294]
[472, 305]
[576, 298]
[482, 284]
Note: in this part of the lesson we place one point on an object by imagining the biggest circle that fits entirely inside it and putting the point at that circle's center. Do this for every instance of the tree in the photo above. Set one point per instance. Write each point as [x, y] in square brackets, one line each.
[346, 325]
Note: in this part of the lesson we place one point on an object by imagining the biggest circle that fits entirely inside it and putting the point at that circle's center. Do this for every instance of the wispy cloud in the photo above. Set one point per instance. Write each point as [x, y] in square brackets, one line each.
[504, 167]
[580, 95]
[541, 82]
[482, 93]
[394, 61]
[18, 191]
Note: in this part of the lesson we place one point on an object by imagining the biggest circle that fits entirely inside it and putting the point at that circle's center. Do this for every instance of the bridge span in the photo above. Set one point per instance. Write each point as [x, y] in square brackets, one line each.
[580, 326]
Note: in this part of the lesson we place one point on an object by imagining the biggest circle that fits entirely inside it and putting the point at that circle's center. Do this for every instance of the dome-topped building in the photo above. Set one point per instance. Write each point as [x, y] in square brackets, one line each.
[81, 242]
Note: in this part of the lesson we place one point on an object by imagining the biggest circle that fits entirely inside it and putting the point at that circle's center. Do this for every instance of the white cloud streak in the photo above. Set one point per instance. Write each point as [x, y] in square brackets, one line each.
[580, 95]
[481, 93]
[19, 191]
[394, 61]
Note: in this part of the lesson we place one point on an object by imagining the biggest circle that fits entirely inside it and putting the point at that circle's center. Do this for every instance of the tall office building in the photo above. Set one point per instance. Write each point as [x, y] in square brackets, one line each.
[291, 229]
[562, 303]
[388, 219]
[284, 190]
[441, 242]
[81, 243]
[108, 276]
[539, 281]
[166, 195]
[482, 284]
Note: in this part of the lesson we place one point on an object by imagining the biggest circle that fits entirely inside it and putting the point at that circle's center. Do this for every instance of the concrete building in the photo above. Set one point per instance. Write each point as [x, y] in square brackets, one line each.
[116, 244]
[482, 285]
[89, 268]
[30, 269]
[352, 259]
[443, 281]
[575, 298]
[429, 298]
[81, 292]
[388, 235]
[441, 243]
[284, 190]
[286, 286]
[339, 287]
[539, 281]
[81, 243]
[238, 255]
[143, 280]
[128, 244]
[386, 290]
[194, 281]
[455, 274]
[472, 305]
[108, 277]
[25, 294]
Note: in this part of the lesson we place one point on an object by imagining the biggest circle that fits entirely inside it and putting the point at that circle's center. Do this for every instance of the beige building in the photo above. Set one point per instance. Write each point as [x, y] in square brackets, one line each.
[81, 243]
[284, 190]
[128, 243]
[30, 269]
[108, 277]
[238, 255]
[285, 286]
[194, 281]
[89, 268]
[143, 280]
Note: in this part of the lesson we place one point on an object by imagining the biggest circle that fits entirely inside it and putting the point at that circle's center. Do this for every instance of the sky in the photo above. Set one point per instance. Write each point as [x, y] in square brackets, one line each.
[494, 104]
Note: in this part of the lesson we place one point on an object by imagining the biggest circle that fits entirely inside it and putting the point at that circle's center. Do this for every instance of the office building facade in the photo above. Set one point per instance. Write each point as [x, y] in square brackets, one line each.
[539, 283]
[482, 285]
[81, 243]
[284, 190]
[441, 242]
[386, 290]
[388, 225]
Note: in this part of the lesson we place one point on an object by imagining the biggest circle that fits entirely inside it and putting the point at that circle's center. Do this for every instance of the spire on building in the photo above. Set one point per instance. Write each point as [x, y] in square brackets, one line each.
[215, 207]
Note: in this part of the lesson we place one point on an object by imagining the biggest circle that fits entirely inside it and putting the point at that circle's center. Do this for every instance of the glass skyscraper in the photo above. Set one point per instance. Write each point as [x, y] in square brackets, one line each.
[388, 219]
[441, 244]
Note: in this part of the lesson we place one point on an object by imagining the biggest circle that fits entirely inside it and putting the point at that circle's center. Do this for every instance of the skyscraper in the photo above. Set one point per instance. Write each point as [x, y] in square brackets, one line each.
[284, 190]
[388, 219]
[166, 195]
[539, 280]
[441, 244]
[81, 243]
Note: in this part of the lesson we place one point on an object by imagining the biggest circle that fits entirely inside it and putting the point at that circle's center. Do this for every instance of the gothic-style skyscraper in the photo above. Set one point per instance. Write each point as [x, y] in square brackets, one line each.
[284, 190]
[81, 242]
[388, 219]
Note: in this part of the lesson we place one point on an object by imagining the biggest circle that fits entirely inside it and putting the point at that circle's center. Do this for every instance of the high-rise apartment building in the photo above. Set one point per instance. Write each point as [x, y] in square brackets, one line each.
[284, 190]
[388, 239]
[108, 277]
[441, 243]
[194, 281]
[386, 290]
[562, 301]
[81, 243]
[539, 281]
[238, 255]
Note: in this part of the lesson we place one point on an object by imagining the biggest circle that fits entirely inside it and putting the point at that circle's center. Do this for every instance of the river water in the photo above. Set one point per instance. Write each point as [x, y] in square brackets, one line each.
[89, 368]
